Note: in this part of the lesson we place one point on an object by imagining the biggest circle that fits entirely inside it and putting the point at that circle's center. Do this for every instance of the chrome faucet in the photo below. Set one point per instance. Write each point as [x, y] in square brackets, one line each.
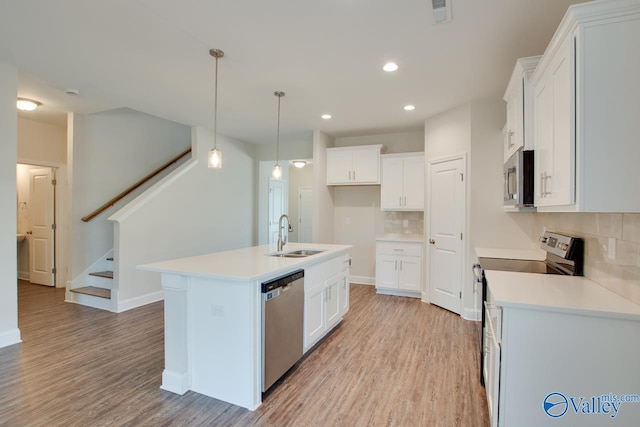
[282, 240]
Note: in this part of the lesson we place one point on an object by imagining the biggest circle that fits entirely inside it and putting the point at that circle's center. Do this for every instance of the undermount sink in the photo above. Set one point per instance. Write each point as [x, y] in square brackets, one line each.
[21, 237]
[300, 253]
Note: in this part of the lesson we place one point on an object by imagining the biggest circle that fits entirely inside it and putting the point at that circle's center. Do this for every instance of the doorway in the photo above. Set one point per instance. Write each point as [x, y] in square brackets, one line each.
[36, 223]
[446, 224]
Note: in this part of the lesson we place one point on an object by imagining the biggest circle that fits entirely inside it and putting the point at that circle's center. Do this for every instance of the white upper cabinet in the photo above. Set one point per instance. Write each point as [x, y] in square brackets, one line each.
[358, 165]
[518, 131]
[587, 99]
[402, 187]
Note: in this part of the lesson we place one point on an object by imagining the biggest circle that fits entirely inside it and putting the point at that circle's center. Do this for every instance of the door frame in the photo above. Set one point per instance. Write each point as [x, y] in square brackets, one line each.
[426, 297]
[60, 214]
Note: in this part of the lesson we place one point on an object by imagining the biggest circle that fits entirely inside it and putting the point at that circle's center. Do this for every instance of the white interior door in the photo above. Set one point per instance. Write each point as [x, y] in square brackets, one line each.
[305, 212]
[277, 206]
[446, 224]
[41, 218]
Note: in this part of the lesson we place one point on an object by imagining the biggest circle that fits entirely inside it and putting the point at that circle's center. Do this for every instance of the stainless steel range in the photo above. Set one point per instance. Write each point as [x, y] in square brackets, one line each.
[565, 256]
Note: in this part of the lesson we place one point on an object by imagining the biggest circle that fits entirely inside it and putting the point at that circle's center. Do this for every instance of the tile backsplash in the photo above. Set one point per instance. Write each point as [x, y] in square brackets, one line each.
[404, 222]
[611, 246]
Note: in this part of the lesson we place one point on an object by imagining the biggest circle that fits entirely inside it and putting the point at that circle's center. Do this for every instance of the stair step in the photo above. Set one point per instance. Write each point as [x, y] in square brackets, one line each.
[93, 291]
[106, 274]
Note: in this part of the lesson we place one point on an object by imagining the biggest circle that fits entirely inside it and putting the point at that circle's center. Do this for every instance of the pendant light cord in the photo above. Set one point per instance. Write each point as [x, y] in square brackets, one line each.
[278, 135]
[215, 109]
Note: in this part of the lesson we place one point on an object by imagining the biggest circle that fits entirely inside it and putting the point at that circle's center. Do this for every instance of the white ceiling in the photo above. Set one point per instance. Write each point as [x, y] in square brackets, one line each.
[327, 55]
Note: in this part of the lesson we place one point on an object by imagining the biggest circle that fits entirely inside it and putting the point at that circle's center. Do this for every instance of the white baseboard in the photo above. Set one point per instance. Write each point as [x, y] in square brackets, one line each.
[362, 280]
[24, 275]
[471, 314]
[140, 301]
[10, 338]
[398, 293]
[175, 382]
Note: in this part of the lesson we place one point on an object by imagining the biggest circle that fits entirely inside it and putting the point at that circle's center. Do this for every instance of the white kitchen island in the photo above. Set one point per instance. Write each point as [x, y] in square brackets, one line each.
[213, 315]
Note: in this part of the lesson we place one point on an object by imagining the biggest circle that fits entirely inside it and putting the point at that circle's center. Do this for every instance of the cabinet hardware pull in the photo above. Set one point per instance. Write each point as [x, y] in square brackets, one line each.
[400, 265]
[354, 175]
[349, 175]
[396, 265]
[405, 201]
[400, 201]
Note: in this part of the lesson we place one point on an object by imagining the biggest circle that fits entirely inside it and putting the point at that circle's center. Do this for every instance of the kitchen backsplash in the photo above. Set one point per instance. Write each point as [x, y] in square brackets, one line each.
[404, 222]
[602, 233]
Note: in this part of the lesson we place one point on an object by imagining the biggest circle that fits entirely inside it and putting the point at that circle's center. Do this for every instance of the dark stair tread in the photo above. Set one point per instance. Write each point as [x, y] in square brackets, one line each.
[110, 259]
[94, 291]
[106, 274]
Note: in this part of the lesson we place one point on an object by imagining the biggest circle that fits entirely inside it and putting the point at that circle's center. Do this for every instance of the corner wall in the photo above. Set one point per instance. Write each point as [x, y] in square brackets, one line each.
[323, 205]
[9, 332]
[195, 210]
[107, 153]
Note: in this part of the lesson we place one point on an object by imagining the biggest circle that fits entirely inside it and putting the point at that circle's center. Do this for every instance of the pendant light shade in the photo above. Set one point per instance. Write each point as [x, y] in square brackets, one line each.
[276, 173]
[215, 156]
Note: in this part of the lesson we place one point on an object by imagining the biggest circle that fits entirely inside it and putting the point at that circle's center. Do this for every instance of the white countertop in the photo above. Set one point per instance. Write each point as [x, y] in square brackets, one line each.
[534, 255]
[246, 264]
[569, 294]
[412, 238]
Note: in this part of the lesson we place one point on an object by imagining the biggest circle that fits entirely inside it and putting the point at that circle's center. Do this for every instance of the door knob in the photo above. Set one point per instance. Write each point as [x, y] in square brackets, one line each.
[433, 242]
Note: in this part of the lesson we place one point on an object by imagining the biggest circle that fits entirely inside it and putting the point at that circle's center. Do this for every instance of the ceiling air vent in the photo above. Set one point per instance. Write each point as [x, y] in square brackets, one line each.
[441, 11]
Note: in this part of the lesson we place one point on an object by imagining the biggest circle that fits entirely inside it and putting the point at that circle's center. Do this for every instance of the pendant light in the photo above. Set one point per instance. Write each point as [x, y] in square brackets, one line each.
[276, 173]
[215, 156]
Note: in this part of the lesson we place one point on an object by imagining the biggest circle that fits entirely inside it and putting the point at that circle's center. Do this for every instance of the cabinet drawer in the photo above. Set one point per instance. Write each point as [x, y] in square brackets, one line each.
[390, 248]
[325, 270]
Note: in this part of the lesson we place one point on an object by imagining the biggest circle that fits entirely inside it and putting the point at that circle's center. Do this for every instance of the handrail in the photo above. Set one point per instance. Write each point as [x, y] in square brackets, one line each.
[126, 192]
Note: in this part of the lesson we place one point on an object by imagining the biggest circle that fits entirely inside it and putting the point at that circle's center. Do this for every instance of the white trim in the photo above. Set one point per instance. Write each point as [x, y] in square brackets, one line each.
[10, 338]
[136, 302]
[362, 280]
[175, 382]
[88, 300]
[398, 292]
[154, 190]
[23, 275]
[472, 314]
[83, 278]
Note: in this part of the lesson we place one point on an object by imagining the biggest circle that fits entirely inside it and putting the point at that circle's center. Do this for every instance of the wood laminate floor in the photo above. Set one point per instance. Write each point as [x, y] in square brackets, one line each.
[392, 362]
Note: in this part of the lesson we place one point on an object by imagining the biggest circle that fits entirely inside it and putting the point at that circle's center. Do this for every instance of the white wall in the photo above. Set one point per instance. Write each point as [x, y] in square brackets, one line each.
[289, 150]
[46, 144]
[41, 142]
[298, 177]
[475, 129]
[358, 218]
[323, 206]
[198, 210]
[9, 332]
[109, 152]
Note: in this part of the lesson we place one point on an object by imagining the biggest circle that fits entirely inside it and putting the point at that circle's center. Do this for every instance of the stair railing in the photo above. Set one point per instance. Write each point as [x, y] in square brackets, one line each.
[129, 190]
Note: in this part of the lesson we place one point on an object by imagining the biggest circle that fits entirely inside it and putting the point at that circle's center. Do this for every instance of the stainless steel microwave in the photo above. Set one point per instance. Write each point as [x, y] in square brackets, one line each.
[518, 180]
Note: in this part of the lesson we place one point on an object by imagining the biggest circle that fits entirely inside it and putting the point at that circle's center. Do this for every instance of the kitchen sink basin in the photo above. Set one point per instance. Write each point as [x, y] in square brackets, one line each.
[301, 253]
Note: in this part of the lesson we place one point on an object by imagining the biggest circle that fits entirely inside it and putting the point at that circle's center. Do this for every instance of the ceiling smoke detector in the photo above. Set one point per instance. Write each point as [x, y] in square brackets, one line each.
[441, 11]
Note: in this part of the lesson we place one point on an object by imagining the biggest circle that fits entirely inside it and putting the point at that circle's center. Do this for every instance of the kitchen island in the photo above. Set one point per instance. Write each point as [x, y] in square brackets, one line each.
[213, 314]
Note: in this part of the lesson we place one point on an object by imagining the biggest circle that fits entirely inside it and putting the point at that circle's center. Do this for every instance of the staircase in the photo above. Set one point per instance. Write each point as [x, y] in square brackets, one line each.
[98, 285]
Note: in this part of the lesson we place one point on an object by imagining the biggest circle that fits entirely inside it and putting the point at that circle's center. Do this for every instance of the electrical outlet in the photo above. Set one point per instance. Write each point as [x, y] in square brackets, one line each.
[405, 223]
[217, 310]
[611, 252]
[347, 221]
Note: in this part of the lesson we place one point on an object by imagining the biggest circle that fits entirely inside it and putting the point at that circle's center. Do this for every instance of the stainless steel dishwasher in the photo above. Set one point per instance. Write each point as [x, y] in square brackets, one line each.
[282, 325]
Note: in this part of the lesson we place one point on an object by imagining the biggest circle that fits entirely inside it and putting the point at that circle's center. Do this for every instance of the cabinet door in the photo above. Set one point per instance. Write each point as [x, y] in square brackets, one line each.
[391, 184]
[314, 314]
[413, 198]
[554, 137]
[332, 298]
[514, 137]
[366, 166]
[386, 271]
[344, 295]
[339, 166]
[410, 273]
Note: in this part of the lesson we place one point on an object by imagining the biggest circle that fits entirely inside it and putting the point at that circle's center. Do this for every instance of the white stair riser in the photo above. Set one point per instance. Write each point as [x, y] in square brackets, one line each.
[89, 300]
[100, 282]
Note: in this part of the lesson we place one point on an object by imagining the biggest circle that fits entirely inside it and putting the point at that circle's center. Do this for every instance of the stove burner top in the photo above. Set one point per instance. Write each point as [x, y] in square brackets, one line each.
[517, 265]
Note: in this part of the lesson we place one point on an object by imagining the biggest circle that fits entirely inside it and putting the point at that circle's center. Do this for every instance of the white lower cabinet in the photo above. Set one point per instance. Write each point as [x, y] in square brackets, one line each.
[326, 298]
[399, 268]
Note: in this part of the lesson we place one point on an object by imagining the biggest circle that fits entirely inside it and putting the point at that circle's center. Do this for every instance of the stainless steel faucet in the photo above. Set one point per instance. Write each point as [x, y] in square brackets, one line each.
[282, 240]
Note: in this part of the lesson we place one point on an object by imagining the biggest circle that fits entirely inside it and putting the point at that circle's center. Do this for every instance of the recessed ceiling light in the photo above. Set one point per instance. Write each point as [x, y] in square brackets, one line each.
[409, 107]
[25, 104]
[390, 66]
[326, 116]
